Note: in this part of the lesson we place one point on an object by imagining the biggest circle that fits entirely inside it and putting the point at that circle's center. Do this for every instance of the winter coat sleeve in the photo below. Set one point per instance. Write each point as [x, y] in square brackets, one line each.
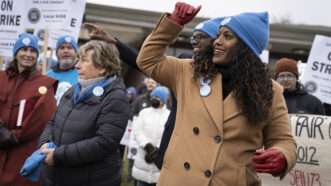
[110, 123]
[277, 133]
[127, 54]
[36, 120]
[151, 58]
[47, 133]
[138, 130]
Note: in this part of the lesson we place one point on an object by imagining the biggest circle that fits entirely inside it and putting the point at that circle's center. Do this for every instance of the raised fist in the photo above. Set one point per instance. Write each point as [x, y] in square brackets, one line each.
[184, 13]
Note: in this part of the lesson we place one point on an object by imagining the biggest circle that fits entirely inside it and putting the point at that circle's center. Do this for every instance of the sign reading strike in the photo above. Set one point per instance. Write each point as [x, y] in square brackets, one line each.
[313, 136]
[58, 17]
[317, 76]
[11, 24]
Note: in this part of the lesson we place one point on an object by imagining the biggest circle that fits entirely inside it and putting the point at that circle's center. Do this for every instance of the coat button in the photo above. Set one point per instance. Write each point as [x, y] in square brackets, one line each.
[217, 139]
[187, 166]
[196, 130]
[208, 173]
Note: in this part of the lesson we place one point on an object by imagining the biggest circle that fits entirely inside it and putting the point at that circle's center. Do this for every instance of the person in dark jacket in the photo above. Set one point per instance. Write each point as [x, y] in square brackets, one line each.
[89, 123]
[297, 99]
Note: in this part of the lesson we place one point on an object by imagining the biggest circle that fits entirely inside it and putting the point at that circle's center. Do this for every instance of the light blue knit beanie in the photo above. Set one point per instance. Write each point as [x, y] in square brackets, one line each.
[251, 28]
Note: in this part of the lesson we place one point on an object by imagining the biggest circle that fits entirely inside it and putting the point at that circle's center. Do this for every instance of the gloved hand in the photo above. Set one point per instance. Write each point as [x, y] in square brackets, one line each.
[98, 33]
[149, 148]
[270, 161]
[150, 157]
[7, 138]
[184, 13]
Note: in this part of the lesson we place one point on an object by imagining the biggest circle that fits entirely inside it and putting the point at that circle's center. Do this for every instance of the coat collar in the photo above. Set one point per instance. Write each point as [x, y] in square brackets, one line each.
[214, 102]
[232, 108]
[116, 84]
[220, 110]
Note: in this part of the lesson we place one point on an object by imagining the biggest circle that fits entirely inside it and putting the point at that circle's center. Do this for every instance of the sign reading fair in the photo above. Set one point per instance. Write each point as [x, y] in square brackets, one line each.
[58, 17]
[317, 76]
[11, 24]
[313, 136]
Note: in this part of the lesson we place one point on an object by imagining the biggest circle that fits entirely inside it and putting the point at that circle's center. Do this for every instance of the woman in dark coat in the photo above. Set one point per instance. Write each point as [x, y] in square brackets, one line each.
[22, 82]
[89, 123]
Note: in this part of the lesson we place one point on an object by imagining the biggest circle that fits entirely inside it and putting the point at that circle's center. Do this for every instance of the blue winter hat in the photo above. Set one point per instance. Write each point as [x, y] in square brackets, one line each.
[209, 27]
[131, 90]
[67, 39]
[160, 92]
[26, 40]
[251, 28]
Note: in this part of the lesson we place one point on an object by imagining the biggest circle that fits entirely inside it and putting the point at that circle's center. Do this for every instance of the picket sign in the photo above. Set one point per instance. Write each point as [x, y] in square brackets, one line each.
[33, 16]
[44, 53]
[313, 168]
[317, 73]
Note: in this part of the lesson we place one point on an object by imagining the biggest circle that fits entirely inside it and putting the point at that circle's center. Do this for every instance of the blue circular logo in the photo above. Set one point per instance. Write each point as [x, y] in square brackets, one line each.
[310, 87]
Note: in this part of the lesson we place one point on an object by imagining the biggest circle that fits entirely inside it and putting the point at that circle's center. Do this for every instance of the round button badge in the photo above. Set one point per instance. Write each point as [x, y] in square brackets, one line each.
[205, 90]
[98, 91]
[42, 90]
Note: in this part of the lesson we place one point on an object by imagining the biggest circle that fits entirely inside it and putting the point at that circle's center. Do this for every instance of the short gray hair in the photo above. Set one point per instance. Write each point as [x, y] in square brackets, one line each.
[105, 55]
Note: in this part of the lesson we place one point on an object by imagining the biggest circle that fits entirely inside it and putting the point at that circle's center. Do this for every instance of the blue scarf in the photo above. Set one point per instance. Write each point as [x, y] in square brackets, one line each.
[78, 97]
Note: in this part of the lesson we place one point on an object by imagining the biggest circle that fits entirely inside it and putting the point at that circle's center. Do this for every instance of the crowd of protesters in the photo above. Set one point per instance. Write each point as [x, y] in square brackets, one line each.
[68, 127]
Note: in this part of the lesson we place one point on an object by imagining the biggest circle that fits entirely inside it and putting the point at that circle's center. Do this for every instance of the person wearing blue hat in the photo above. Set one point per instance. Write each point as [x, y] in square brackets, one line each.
[89, 123]
[64, 71]
[27, 104]
[232, 120]
[148, 129]
[201, 40]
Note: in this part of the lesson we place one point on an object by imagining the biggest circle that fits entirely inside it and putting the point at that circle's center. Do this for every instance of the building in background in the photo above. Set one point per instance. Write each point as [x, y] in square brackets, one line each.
[132, 26]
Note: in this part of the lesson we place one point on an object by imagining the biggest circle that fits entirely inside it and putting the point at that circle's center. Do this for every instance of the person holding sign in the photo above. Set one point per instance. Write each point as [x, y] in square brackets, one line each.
[225, 116]
[297, 99]
[26, 104]
[89, 123]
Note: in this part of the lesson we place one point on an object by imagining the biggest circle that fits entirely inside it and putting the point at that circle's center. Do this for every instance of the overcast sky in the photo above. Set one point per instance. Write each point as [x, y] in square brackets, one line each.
[311, 12]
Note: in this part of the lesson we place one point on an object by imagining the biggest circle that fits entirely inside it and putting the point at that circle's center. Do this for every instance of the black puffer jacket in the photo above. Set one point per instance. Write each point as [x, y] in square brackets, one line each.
[301, 102]
[87, 136]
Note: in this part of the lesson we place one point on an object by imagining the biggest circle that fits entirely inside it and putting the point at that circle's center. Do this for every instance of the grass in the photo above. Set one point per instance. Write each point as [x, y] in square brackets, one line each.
[125, 173]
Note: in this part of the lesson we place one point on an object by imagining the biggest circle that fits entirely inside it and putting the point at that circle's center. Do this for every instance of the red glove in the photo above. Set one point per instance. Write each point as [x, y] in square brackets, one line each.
[270, 161]
[184, 13]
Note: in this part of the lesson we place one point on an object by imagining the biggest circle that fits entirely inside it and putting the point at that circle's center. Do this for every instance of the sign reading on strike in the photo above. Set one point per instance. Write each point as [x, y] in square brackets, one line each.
[317, 73]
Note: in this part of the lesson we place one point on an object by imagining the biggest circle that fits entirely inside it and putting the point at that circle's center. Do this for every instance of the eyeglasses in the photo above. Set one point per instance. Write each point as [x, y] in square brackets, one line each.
[286, 77]
[195, 39]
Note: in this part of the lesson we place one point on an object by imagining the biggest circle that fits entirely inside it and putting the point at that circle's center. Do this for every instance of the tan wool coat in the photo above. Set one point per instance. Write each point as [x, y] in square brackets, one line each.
[213, 142]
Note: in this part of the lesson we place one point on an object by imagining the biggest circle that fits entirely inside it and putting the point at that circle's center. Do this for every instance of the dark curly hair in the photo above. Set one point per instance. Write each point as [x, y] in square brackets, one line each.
[252, 84]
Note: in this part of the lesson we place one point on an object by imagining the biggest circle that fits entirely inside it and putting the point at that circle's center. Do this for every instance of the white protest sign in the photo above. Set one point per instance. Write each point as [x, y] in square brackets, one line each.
[12, 20]
[317, 76]
[59, 17]
[313, 136]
